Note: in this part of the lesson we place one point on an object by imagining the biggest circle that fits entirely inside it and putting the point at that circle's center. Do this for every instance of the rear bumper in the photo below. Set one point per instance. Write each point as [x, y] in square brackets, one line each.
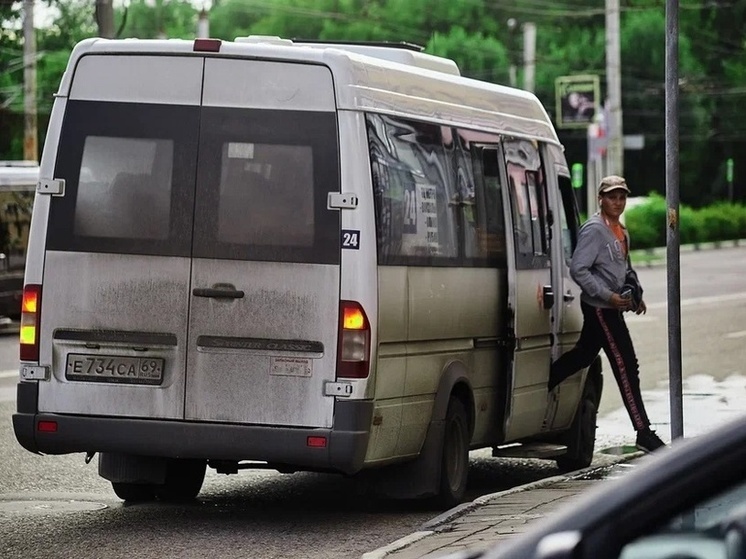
[345, 450]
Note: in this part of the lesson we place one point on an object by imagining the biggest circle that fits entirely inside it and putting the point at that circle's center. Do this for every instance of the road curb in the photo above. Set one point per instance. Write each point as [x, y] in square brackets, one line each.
[435, 525]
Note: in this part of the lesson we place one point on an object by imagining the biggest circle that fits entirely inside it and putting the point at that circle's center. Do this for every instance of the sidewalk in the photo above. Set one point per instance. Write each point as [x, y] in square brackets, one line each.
[491, 518]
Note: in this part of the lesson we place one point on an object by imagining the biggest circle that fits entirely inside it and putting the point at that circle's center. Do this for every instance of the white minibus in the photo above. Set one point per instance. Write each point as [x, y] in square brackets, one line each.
[326, 257]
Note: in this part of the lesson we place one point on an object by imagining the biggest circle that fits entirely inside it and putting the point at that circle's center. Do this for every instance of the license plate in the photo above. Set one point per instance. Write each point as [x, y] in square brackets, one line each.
[127, 370]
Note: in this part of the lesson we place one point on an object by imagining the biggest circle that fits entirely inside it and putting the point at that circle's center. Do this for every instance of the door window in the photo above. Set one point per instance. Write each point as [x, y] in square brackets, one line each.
[528, 203]
[569, 220]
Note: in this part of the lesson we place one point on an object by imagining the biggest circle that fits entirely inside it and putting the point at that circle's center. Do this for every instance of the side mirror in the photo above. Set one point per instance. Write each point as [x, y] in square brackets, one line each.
[562, 545]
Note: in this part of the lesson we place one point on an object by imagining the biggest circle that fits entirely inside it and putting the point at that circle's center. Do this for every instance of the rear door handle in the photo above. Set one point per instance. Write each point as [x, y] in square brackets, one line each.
[218, 291]
[568, 297]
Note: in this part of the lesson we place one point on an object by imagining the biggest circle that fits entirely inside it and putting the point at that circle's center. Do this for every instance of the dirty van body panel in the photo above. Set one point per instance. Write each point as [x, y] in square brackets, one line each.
[263, 343]
[263, 358]
[200, 260]
[105, 300]
[117, 263]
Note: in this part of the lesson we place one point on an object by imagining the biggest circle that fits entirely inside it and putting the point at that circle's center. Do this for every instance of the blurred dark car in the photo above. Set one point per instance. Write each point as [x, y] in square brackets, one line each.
[684, 502]
[17, 186]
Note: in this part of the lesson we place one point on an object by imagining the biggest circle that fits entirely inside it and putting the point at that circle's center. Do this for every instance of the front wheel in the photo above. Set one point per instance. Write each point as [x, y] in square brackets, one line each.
[455, 457]
[581, 438]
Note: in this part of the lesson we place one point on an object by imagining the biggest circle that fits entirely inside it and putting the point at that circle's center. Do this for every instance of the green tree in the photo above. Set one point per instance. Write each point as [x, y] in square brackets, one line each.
[175, 19]
[643, 82]
[11, 81]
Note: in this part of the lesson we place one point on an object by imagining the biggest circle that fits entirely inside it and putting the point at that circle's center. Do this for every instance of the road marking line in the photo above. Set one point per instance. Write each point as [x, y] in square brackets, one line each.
[8, 374]
[740, 334]
[703, 300]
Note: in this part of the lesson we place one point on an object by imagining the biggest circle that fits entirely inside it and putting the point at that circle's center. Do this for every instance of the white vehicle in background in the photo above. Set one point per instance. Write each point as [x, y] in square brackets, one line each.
[342, 258]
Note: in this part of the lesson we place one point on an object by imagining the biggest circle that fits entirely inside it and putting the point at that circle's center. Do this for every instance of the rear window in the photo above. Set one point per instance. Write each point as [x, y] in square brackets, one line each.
[207, 182]
[124, 188]
[262, 186]
[129, 178]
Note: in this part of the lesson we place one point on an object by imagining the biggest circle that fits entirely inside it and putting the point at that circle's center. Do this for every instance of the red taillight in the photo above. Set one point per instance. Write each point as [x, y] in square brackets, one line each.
[47, 426]
[30, 311]
[354, 341]
[207, 45]
[316, 442]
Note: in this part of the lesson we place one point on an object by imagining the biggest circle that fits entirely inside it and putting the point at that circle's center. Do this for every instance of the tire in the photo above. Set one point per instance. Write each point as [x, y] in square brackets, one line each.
[581, 437]
[183, 480]
[455, 455]
[134, 492]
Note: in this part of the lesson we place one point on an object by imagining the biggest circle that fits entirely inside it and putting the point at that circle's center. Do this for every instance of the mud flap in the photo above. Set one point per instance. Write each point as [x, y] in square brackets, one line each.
[418, 478]
[125, 468]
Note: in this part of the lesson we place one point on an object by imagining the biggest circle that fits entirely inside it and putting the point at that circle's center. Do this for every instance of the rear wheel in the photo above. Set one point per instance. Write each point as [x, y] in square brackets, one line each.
[183, 480]
[581, 438]
[455, 457]
[134, 492]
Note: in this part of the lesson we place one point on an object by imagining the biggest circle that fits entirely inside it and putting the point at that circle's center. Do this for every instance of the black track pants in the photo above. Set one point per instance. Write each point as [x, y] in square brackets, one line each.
[605, 328]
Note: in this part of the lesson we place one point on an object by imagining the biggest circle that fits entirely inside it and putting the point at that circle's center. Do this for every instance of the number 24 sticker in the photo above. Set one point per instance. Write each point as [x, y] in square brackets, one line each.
[350, 239]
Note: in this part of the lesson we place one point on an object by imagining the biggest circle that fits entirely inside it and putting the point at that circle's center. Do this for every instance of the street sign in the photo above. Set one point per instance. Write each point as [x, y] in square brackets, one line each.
[577, 100]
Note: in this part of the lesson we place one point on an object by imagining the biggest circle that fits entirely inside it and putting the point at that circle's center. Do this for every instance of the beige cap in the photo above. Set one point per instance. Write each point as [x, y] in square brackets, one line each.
[612, 182]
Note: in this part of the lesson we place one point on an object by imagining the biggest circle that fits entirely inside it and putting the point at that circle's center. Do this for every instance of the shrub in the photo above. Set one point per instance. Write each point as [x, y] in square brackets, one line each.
[647, 223]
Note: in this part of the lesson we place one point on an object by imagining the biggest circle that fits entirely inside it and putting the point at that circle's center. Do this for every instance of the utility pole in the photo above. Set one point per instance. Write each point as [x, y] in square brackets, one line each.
[615, 154]
[512, 71]
[529, 55]
[30, 149]
[673, 232]
[203, 25]
[105, 18]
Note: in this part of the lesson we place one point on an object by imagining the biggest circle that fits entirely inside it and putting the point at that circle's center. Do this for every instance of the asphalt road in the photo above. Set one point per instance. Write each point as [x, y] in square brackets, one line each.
[58, 507]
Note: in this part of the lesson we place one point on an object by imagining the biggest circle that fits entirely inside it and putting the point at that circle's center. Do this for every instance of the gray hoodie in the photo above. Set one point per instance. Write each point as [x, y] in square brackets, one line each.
[598, 264]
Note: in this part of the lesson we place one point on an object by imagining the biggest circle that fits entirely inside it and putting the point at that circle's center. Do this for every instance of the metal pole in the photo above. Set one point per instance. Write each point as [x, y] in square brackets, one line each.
[529, 55]
[673, 241]
[614, 127]
[30, 135]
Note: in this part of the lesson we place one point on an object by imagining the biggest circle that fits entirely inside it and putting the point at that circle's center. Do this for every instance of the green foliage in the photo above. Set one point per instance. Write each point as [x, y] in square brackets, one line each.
[647, 223]
[485, 39]
[718, 222]
[166, 18]
[477, 56]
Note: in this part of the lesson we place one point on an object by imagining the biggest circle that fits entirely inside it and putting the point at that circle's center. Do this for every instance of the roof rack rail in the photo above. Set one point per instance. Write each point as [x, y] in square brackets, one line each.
[388, 44]
[401, 52]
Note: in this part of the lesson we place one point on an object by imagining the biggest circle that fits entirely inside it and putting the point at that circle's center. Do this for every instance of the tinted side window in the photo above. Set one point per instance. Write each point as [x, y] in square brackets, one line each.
[129, 172]
[414, 192]
[484, 222]
[528, 203]
[569, 220]
[262, 187]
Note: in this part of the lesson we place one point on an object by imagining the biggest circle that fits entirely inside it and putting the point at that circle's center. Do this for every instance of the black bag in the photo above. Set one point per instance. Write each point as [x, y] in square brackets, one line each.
[632, 288]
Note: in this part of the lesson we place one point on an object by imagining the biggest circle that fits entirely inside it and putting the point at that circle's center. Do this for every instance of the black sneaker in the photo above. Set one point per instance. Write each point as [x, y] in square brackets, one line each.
[648, 441]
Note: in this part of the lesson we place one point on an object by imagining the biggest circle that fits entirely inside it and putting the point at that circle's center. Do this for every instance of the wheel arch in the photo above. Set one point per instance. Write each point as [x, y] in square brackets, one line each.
[454, 381]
